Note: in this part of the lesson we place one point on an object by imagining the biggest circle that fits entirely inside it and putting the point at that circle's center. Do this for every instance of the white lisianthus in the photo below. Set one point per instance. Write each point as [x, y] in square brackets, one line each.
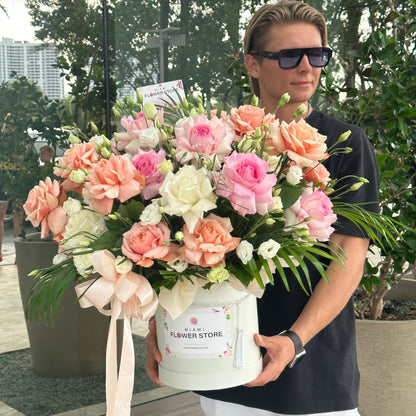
[188, 194]
[268, 249]
[78, 176]
[74, 139]
[218, 274]
[151, 215]
[82, 263]
[245, 251]
[278, 207]
[100, 140]
[274, 162]
[82, 226]
[149, 111]
[178, 264]
[295, 174]
[165, 167]
[72, 206]
[149, 138]
[123, 265]
[59, 258]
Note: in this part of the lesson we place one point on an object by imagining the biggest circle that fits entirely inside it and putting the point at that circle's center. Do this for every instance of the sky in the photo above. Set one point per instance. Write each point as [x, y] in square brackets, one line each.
[17, 26]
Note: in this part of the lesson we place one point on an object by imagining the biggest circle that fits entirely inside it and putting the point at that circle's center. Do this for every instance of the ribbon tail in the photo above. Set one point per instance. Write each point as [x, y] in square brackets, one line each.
[125, 384]
[111, 360]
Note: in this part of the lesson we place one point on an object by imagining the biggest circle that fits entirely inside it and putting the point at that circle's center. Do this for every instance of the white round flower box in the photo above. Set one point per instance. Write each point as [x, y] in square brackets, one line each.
[211, 345]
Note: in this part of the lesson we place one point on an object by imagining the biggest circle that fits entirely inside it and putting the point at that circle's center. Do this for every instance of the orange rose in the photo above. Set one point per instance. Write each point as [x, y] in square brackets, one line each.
[79, 156]
[44, 206]
[209, 242]
[302, 142]
[111, 179]
[246, 118]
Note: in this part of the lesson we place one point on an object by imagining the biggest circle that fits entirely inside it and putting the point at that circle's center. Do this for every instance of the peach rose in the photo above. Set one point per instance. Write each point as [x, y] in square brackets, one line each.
[115, 178]
[302, 142]
[209, 242]
[143, 243]
[317, 174]
[44, 206]
[246, 118]
[79, 156]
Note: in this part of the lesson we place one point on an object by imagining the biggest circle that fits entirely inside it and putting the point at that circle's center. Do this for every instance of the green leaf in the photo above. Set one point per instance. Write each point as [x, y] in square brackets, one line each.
[289, 194]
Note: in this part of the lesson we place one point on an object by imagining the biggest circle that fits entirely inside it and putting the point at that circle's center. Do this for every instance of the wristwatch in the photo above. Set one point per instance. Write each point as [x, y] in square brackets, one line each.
[299, 350]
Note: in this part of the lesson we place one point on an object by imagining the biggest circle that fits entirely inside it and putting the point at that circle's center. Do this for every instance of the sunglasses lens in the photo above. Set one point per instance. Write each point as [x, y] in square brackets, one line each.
[290, 58]
[318, 57]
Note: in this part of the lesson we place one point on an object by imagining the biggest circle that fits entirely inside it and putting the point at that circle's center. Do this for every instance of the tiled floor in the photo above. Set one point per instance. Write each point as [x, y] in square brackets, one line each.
[163, 401]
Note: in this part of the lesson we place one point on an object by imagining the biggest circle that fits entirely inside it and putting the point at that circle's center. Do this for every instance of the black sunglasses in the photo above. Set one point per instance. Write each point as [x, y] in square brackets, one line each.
[290, 58]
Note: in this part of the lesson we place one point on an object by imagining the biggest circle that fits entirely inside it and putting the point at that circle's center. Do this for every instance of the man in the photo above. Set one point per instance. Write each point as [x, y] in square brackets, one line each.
[285, 50]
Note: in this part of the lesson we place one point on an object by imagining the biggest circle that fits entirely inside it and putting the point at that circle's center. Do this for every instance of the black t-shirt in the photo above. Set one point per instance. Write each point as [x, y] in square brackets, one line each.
[327, 378]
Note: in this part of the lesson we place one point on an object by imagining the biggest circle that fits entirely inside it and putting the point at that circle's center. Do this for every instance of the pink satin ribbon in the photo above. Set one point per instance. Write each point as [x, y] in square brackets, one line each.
[131, 295]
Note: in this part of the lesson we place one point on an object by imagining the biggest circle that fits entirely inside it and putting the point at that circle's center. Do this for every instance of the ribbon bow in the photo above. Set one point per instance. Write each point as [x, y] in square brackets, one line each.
[132, 294]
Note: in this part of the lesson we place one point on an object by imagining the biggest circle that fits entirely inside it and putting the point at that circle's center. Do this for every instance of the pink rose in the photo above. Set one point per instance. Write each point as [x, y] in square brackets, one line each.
[302, 142]
[111, 179]
[209, 243]
[143, 243]
[134, 128]
[146, 163]
[200, 135]
[246, 183]
[79, 156]
[246, 118]
[315, 205]
[44, 206]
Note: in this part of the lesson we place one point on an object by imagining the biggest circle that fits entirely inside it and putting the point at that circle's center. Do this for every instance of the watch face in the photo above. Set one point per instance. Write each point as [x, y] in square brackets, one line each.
[297, 358]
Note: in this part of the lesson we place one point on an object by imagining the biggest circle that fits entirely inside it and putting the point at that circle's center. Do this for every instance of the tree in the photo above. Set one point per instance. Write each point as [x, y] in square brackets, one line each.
[24, 107]
[384, 104]
[76, 29]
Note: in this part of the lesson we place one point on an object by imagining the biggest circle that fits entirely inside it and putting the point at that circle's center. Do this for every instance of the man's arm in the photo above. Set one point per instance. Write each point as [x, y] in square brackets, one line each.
[326, 302]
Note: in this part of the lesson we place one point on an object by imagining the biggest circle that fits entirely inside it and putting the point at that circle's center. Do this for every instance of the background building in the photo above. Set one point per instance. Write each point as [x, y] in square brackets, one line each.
[34, 60]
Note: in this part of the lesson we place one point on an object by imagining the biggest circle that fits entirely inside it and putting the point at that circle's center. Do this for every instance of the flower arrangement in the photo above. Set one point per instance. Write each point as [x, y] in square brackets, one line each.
[186, 197]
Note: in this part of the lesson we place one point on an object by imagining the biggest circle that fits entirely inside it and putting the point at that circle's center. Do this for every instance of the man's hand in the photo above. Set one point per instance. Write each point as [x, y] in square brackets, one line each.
[280, 351]
[154, 357]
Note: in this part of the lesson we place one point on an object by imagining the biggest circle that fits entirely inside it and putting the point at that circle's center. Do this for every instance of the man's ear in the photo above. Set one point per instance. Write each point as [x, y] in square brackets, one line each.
[252, 65]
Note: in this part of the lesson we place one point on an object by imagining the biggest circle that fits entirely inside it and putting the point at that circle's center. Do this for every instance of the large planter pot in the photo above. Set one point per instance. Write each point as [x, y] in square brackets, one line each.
[211, 345]
[75, 345]
[387, 361]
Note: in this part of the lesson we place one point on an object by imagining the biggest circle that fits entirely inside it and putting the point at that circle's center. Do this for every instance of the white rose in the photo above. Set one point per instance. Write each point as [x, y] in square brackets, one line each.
[81, 226]
[151, 215]
[245, 251]
[178, 265]
[269, 249]
[149, 138]
[72, 206]
[123, 265]
[188, 193]
[82, 262]
[294, 176]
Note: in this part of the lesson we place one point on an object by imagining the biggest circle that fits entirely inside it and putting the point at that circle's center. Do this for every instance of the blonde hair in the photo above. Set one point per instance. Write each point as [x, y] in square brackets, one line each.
[283, 12]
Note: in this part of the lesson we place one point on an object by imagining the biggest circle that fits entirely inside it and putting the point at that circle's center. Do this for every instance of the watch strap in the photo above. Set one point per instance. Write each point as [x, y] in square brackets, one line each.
[299, 350]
